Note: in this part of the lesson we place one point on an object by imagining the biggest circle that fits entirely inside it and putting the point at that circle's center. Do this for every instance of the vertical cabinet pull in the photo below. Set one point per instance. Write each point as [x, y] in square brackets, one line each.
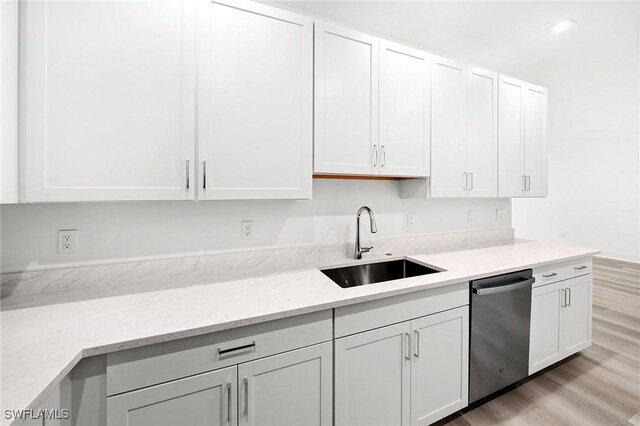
[204, 174]
[384, 156]
[524, 185]
[464, 181]
[408, 347]
[563, 298]
[471, 178]
[416, 351]
[229, 403]
[527, 181]
[188, 184]
[569, 302]
[375, 155]
[246, 397]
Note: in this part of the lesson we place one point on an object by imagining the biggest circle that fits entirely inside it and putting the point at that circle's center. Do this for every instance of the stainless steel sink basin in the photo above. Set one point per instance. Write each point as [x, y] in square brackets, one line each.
[370, 273]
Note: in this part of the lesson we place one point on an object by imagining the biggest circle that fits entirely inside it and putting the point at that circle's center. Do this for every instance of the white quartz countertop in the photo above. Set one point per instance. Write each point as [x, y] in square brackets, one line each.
[40, 345]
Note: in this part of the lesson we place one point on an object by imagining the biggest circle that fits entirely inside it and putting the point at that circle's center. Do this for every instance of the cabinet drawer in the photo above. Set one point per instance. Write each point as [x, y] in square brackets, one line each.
[561, 271]
[149, 365]
[379, 313]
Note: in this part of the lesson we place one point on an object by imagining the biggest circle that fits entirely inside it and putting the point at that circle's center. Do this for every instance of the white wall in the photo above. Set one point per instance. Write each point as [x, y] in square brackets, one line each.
[594, 141]
[124, 230]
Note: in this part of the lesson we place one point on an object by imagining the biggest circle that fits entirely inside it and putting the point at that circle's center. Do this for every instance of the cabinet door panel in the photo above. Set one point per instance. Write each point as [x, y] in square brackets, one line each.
[255, 115]
[346, 100]
[372, 377]
[293, 388]
[404, 110]
[448, 124]
[482, 133]
[577, 315]
[511, 137]
[440, 365]
[545, 345]
[206, 399]
[108, 100]
[535, 163]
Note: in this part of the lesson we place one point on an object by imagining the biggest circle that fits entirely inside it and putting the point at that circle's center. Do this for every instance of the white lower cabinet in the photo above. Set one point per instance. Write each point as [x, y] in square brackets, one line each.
[205, 399]
[293, 388]
[411, 373]
[560, 321]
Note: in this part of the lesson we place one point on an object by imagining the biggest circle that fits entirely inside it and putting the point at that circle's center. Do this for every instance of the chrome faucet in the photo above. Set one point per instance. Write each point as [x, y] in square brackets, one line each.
[372, 221]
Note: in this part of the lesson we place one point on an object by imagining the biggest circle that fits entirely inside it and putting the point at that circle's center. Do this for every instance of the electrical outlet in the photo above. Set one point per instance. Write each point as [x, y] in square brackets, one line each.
[411, 220]
[561, 234]
[499, 214]
[246, 230]
[67, 241]
[470, 216]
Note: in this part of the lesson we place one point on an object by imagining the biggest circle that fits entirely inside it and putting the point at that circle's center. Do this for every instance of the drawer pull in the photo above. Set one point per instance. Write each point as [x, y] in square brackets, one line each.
[580, 268]
[248, 347]
[553, 274]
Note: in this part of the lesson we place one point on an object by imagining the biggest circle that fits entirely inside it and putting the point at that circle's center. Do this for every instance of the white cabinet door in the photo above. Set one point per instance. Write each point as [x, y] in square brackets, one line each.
[440, 366]
[404, 111]
[293, 388]
[545, 344]
[511, 181]
[535, 158]
[482, 133]
[577, 315]
[108, 100]
[448, 124]
[206, 399]
[9, 101]
[346, 101]
[372, 377]
[255, 97]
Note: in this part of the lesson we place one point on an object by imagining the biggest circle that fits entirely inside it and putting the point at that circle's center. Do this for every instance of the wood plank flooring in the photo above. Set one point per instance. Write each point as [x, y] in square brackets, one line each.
[600, 385]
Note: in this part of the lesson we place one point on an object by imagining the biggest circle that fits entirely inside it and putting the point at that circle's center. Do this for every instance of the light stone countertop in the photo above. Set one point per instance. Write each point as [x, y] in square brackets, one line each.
[40, 345]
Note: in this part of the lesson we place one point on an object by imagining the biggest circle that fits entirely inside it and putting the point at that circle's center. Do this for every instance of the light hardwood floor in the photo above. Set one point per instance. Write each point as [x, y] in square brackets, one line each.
[600, 385]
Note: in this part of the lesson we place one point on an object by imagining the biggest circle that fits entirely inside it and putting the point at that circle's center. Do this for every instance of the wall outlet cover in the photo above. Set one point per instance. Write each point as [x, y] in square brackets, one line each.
[246, 230]
[411, 220]
[470, 216]
[67, 239]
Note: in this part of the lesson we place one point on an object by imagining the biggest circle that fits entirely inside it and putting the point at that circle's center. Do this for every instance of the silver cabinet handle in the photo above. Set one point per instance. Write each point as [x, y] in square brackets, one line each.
[246, 397]
[569, 302]
[416, 351]
[187, 168]
[563, 298]
[229, 403]
[384, 156]
[375, 155]
[524, 185]
[204, 174]
[408, 344]
[528, 182]
[553, 274]
[471, 185]
[580, 268]
[464, 181]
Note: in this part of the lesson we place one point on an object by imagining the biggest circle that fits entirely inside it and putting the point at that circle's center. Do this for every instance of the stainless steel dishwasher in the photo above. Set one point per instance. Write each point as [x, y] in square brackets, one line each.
[500, 318]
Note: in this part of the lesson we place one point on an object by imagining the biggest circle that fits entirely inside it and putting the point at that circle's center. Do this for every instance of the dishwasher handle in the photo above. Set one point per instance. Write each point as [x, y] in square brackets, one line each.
[482, 291]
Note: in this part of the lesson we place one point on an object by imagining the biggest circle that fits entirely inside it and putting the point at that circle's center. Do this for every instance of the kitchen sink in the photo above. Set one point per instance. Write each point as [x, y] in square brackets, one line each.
[371, 273]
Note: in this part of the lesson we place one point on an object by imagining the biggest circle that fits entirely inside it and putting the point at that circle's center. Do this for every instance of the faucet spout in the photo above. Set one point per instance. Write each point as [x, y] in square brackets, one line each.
[372, 225]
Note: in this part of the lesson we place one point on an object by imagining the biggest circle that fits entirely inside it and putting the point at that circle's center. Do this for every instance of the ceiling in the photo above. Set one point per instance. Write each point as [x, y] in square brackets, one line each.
[506, 36]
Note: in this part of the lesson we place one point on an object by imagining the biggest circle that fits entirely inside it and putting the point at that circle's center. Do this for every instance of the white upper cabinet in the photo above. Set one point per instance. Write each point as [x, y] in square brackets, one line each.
[108, 100]
[255, 96]
[9, 101]
[448, 127]
[404, 111]
[346, 101]
[482, 133]
[535, 127]
[521, 139]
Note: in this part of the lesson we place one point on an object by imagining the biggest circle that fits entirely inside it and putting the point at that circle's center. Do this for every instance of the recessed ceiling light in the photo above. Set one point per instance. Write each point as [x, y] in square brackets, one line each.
[562, 25]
